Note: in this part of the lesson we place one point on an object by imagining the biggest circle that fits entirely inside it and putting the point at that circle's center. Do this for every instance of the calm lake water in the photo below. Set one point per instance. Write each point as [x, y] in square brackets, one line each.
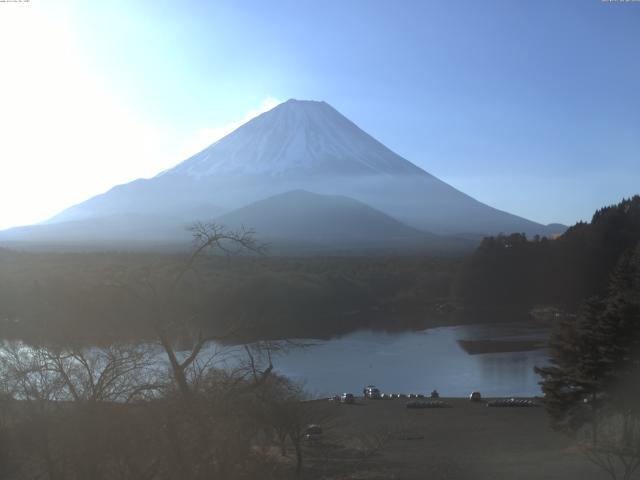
[418, 362]
[408, 362]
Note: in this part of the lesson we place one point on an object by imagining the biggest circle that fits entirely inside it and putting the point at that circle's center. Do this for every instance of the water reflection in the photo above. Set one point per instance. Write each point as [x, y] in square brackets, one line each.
[407, 362]
[419, 362]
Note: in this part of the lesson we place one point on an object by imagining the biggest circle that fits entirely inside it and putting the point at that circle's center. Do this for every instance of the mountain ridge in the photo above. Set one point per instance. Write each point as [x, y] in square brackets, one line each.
[298, 145]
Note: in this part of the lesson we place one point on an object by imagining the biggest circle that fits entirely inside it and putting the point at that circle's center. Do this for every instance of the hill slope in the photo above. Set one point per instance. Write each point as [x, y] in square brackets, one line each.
[326, 221]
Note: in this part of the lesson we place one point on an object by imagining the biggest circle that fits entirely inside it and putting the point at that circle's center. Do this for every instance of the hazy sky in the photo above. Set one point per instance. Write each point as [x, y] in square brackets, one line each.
[532, 107]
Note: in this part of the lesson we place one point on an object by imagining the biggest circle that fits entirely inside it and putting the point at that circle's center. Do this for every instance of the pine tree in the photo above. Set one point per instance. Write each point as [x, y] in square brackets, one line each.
[574, 385]
[619, 330]
[594, 377]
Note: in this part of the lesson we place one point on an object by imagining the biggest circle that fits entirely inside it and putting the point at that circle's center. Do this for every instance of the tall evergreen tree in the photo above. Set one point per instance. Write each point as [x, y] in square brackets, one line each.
[594, 378]
[595, 357]
[619, 331]
[575, 383]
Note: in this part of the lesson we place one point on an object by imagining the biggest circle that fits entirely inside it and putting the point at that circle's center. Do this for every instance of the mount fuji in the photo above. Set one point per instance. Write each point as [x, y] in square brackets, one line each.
[285, 173]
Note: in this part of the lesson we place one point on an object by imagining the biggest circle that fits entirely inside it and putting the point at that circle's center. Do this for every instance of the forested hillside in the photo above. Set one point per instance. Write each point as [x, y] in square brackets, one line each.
[513, 271]
[96, 297]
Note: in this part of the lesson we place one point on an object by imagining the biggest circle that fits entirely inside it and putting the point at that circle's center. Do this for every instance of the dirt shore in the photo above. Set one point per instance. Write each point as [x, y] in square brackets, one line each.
[382, 439]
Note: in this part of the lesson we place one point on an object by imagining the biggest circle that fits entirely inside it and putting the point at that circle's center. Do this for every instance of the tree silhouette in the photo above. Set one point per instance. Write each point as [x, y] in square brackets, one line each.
[591, 389]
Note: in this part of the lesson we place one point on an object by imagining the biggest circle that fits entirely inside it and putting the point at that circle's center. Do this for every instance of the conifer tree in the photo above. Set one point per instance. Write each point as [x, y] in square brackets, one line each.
[593, 382]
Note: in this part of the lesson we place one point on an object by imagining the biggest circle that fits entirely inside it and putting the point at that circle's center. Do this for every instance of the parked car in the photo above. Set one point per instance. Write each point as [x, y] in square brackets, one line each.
[335, 398]
[475, 397]
[370, 391]
[347, 398]
[313, 433]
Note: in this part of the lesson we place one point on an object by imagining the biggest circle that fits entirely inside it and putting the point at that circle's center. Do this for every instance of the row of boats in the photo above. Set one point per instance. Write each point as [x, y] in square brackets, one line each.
[419, 400]
[512, 402]
[501, 402]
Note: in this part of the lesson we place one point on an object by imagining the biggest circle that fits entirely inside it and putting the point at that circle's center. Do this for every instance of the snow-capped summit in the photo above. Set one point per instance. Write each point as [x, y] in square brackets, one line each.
[297, 137]
[356, 189]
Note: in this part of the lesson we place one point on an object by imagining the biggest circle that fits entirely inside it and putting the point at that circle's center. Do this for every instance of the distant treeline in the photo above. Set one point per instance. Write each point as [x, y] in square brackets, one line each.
[513, 271]
[99, 297]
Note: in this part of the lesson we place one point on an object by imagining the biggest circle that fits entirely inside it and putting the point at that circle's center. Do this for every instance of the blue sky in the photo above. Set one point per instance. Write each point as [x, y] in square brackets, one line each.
[532, 107]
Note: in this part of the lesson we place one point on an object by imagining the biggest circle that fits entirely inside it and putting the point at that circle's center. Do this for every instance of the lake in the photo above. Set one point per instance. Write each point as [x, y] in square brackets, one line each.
[409, 362]
[419, 361]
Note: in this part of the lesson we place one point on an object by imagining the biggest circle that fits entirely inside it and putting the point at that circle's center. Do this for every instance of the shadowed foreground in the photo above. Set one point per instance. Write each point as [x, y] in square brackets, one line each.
[376, 439]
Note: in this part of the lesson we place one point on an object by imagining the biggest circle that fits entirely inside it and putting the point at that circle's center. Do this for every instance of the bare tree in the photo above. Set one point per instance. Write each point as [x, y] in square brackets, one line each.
[70, 416]
[112, 412]
[159, 291]
[285, 409]
[205, 437]
[617, 450]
